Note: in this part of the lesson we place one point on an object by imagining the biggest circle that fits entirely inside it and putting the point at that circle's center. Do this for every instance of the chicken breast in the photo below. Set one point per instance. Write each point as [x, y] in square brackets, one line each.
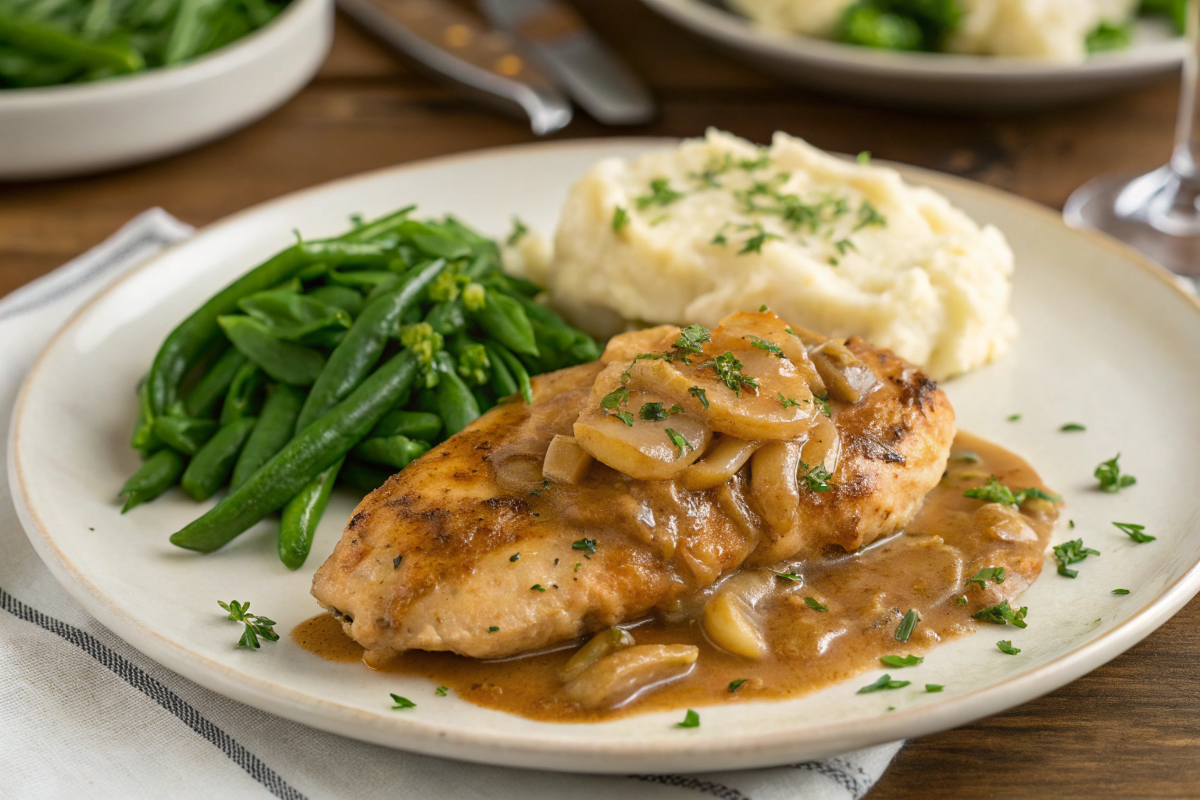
[471, 549]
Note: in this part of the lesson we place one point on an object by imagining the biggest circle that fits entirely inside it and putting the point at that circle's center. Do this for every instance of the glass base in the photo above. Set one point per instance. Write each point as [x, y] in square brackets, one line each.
[1154, 213]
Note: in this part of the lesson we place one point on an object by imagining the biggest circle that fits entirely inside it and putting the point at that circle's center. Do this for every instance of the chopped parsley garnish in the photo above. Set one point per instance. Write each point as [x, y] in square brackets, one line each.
[518, 230]
[1110, 477]
[996, 492]
[729, 370]
[441, 691]
[699, 394]
[812, 603]
[677, 439]
[933, 687]
[692, 338]
[987, 574]
[763, 307]
[578, 564]
[623, 416]
[515, 557]
[864, 157]
[884, 682]
[537, 587]
[1071, 427]
[907, 625]
[402, 702]
[869, 215]
[961, 600]
[754, 244]
[843, 245]
[788, 402]
[1120, 591]
[661, 194]
[616, 398]
[690, 720]
[1014, 417]
[816, 478]
[823, 404]
[749, 165]
[588, 545]
[966, 456]
[1069, 553]
[493, 629]
[1134, 531]
[1071, 524]
[735, 685]
[764, 344]
[901, 661]
[790, 576]
[1002, 614]
[256, 625]
[620, 219]
[653, 412]
[1006, 646]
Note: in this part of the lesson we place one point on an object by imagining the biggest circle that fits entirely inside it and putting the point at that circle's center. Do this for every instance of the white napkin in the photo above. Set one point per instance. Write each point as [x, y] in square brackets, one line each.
[82, 714]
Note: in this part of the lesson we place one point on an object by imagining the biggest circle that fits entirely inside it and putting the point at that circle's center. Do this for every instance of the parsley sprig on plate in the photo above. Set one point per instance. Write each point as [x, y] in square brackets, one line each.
[256, 625]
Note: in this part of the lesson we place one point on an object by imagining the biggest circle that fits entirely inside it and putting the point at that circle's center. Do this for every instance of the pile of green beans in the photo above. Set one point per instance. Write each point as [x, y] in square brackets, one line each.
[46, 42]
[336, 361]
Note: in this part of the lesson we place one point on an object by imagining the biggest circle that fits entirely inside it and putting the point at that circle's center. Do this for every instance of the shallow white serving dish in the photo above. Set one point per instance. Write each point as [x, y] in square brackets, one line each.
[932, 80]
[57, 131]
[1107, 340]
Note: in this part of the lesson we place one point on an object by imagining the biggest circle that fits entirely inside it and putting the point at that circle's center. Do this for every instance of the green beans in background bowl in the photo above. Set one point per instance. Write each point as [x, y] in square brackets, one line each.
[336, 361]
[150, 91]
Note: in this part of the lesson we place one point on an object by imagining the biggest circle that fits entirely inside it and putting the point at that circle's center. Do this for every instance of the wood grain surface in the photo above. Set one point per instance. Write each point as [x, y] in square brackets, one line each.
[1129, 729]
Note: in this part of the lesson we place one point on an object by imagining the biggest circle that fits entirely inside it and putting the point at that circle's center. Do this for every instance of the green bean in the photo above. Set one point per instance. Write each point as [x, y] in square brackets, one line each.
[190, 336]
[455, 403]
[413, 424]
[156, 474]
[360, 350]
[213, 384]
[144, 438]
[447, 318]
[498, 351]
[309, 453]
[580, 347]
[342, 297]
[503, 382]
[505, 321]
[342, 252]
[363, 278]
[396, 451]
[292, 316]
[301, 515]
[284, 361]
[213, 463]
[375, 229]
[275, 427]
[363, 477]
[48, 42]
[244, 392]
[183, 433]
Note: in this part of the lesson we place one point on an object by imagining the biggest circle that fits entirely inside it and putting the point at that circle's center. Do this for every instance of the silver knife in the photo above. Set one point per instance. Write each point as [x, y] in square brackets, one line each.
[456, 45]
[562, 43]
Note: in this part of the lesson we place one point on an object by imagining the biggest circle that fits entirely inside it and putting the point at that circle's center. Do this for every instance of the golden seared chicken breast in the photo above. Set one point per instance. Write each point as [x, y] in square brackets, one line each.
[632, 482]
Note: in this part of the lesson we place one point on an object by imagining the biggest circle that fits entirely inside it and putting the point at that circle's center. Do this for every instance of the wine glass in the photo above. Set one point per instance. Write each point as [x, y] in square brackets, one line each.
[1157, 213]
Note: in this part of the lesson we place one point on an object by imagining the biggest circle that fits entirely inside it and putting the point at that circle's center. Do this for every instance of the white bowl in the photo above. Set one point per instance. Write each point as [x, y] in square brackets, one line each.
[931, 80]
[57, 131]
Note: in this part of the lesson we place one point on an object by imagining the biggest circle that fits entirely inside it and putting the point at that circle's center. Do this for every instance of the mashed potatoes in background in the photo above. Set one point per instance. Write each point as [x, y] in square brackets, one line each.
[1049, 29]
[720, 225]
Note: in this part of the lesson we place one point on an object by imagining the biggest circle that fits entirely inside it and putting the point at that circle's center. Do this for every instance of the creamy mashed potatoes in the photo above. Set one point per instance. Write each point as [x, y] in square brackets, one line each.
[1050, 29]
[720, 225]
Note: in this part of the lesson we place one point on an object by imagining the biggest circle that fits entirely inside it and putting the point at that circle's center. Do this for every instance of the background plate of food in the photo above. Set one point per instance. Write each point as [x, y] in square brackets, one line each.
[839, 631]
[977, 55]
[91, 86]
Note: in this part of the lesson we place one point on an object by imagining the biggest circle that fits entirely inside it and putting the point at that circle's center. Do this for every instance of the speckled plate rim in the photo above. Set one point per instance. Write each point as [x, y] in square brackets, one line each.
[732, 28]
[747, 750]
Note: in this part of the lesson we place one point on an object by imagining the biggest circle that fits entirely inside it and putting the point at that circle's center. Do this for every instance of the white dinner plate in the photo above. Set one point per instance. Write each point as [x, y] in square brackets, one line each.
[1106, 340]
[941, 80]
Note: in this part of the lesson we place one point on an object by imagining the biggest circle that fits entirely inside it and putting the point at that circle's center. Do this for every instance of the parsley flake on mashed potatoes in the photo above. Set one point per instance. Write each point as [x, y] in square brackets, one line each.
[719, 225]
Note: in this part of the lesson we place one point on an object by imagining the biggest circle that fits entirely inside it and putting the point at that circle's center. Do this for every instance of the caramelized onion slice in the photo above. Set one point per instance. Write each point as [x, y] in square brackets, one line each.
[793, 341]
[846, 377]
[726, 456]
[566, 461]
[602, 644]
[774, 488]
[824, 446]
[616, 677]
[730, 617]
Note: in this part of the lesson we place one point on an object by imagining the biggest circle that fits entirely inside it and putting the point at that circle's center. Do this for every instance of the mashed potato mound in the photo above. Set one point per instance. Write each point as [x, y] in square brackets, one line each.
[720, 225]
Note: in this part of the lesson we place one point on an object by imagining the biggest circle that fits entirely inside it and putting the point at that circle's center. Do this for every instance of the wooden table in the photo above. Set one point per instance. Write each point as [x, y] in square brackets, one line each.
[1129, 728]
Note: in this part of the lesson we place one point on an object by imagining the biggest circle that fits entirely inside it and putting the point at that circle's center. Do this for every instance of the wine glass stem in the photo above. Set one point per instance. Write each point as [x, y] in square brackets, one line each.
[1185, 160]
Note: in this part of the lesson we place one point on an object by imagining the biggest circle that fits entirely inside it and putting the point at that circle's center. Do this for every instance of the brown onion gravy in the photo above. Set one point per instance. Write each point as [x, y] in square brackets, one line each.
[866, 592]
